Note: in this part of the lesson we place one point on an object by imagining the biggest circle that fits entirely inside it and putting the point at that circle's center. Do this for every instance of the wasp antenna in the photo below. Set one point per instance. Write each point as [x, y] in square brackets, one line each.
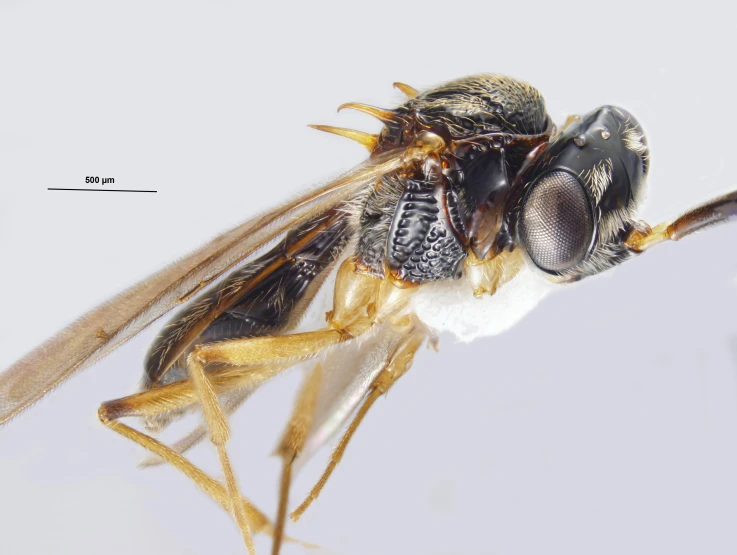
[385, 116]
[718, 210]
[411, 92]
[368, 140]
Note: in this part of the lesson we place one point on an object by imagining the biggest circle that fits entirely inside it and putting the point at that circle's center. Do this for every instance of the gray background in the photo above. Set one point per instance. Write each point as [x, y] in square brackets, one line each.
[606, 422]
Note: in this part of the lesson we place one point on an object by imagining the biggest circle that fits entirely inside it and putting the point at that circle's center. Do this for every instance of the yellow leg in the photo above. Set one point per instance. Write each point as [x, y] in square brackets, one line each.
[181, 394]
[360, 302]
[229, 403]
[258, 521]
[398, 364]
[219, 429]
[486, 276]
[291, 445]
[249, 355]
[237, 352]
[245, 352]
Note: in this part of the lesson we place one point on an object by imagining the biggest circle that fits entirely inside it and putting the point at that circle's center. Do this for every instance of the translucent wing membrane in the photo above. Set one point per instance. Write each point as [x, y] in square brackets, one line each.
[106, 327]
[348, 373]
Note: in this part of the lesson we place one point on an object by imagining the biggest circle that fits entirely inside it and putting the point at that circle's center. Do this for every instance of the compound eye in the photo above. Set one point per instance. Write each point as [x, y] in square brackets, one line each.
[556, 225]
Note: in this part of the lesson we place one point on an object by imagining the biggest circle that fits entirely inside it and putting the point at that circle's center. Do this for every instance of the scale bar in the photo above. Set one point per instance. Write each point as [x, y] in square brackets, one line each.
[108, 190]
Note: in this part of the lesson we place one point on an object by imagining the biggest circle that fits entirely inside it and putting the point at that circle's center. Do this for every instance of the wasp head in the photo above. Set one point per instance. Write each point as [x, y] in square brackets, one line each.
[579, 199]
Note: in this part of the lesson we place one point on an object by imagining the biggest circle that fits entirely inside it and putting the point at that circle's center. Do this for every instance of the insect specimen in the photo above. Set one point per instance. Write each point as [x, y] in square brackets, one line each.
[471, 207]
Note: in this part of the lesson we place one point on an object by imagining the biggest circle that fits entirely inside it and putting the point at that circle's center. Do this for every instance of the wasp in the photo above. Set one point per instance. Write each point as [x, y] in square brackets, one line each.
[471, 207]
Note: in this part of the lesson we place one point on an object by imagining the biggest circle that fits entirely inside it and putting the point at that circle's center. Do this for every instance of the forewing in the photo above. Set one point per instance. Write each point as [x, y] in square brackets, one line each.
[106, 327]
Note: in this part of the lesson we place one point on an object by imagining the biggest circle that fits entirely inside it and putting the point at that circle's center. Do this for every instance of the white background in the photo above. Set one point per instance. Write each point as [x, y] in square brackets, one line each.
[606, 422]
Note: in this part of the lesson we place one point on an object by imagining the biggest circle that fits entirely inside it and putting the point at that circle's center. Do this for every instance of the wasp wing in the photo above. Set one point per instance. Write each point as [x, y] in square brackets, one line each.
[106, 327]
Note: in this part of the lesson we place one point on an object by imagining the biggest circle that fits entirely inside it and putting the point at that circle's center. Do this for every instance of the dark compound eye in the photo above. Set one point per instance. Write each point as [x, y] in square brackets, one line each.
[556, 225]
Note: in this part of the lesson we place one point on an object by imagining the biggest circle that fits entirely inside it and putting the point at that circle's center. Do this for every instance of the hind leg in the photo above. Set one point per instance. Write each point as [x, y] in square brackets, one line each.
[258, 521]
[360, 302]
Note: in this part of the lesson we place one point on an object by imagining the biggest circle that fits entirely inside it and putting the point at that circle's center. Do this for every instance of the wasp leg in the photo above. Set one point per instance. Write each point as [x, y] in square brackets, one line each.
[360, 302]
[291, 445]
[179, 395]
[259, 522]
[182, 394]
[399, 362]
[217, 424]
[486, 276]
[244, 352]
[229, 403]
